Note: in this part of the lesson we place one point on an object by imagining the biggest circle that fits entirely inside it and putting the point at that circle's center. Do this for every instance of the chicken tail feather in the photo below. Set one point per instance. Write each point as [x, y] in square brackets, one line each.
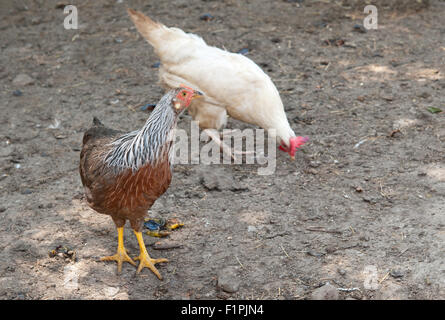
[96, 122]
[145, 25]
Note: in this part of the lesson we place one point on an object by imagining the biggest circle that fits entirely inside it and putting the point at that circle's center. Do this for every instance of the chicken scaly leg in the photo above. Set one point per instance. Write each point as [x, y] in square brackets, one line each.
[216, 137]
[121, 255]
[144, 258]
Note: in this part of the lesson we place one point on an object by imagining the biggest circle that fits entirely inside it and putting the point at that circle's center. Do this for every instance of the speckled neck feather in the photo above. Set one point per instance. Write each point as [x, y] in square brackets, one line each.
[149, 144]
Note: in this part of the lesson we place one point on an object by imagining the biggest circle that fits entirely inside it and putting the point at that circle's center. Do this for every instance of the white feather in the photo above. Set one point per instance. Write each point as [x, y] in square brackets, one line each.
[231, 83]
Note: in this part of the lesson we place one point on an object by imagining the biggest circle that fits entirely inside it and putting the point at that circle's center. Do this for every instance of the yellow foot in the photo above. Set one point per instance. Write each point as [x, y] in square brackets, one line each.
[146, 261]
[144, 258]
[121, 255]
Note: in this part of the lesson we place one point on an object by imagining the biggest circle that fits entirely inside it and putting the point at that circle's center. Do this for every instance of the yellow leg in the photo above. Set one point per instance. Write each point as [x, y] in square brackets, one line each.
[144, 258]
[121, 255]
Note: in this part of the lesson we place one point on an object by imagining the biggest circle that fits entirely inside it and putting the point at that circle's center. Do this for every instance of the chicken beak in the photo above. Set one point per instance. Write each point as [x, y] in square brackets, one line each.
[197, 94]
[292, 158]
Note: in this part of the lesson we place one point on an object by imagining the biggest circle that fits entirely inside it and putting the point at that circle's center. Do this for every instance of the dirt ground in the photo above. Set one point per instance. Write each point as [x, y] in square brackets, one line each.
[361, 208]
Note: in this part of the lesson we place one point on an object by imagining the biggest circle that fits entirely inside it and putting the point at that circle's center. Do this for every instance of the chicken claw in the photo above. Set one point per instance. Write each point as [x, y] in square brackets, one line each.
[215, 136]
[121, 255]
[144, 258]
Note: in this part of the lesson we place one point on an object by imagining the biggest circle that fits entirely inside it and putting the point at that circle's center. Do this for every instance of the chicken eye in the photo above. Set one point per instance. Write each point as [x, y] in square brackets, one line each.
[184, 93]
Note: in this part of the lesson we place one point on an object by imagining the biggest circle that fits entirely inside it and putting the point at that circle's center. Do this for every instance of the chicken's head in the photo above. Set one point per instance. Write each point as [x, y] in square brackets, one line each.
[183, 98]
[294, 144]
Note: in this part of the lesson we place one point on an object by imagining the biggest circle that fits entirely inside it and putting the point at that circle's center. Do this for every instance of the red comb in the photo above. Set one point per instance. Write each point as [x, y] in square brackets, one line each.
[298, 141]
[186, 87]
[294, 144]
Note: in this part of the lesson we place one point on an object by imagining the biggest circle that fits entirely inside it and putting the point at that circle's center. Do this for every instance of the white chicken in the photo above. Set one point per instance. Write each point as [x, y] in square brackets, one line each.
[232, 83]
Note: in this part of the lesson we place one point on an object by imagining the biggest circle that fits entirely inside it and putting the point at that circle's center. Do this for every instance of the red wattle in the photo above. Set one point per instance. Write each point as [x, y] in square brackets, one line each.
[294, 144]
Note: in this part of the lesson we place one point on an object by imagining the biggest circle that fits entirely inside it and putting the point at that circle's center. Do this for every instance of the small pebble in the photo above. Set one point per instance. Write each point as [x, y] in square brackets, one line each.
[314, 254]
[334, 42]
[111, 291]
[206, 17]
[396, 274]
[312, 171]
[360, 28]
[314, 164]
[370, 200]
[22, 80]
[320, 24]
[331, 249]
[61, 5]
[17, 93]
[228, 280]
[342, 272]
[424, 95]
[244, 51]
[36, 20]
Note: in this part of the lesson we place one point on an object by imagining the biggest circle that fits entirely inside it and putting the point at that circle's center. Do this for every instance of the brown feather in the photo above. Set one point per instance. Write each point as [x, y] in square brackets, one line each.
[126, 195]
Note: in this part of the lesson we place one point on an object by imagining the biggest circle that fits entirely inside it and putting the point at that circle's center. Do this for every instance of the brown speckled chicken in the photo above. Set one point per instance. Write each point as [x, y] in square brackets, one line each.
[124, 173]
